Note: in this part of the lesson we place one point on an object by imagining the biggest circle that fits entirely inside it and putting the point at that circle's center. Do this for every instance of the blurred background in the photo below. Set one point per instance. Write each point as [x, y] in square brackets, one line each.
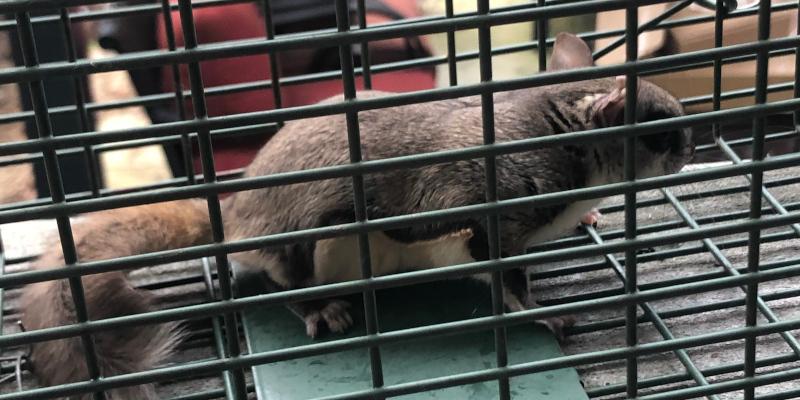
[138, 166]
[98, 39]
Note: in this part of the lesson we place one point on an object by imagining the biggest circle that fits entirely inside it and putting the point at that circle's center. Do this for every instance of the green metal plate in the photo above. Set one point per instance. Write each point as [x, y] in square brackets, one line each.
[274, 328]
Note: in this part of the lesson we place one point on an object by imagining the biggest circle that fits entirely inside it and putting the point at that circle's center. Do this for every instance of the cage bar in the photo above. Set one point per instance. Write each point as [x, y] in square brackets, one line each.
[219, 334]
[214, 209]
[754, 238]
[178, 93]
[57, 192]
[95, 180]
[452, 72]
[541, 36]
[650, 315]
[275, 82]
[629, 157]
[492, 220]
[797, 73]
[365, 55]
[359, 198]
[719, 24]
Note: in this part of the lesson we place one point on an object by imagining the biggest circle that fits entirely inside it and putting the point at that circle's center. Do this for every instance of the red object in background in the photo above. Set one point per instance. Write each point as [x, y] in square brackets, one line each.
[242, 21]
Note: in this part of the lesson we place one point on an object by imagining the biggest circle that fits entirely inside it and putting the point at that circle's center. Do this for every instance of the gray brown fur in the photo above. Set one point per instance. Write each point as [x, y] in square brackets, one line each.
[408, 130]
[445, 125]
[106, 235]
[321, 142]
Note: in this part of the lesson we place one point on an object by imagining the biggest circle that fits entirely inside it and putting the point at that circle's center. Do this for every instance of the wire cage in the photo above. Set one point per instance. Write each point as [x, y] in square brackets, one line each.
[686, 289]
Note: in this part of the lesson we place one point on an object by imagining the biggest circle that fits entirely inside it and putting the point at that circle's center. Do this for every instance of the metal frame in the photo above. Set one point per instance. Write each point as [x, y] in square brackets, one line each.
[222, 307]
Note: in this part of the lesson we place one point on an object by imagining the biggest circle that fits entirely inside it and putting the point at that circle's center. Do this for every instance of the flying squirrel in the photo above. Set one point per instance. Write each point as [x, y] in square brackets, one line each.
[322, 142]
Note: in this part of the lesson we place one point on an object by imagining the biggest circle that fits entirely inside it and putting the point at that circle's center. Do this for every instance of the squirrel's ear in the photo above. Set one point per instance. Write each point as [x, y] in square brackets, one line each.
[570, 51]
[606, 110]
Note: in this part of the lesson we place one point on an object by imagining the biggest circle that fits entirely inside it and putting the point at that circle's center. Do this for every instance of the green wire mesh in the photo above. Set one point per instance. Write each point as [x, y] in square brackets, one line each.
[627, 304]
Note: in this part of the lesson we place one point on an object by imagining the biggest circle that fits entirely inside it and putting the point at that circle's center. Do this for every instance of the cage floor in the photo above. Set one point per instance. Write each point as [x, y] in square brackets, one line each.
[276, 328]
[707, 203]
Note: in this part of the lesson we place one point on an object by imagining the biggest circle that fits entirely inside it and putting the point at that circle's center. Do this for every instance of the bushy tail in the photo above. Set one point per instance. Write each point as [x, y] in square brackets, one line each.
[105, 235]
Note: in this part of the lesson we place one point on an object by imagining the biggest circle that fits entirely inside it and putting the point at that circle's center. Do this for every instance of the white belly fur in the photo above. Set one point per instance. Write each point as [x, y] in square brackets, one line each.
[563, 223]
[568, 219]
[336, 260]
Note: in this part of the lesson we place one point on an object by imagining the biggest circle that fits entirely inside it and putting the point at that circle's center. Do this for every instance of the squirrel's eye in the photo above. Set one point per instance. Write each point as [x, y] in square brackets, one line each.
[661, 142]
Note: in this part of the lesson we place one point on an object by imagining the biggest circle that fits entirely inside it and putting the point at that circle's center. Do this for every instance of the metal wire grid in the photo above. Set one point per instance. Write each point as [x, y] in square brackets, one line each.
[201, 129]
[185, 283]
[693, 380]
